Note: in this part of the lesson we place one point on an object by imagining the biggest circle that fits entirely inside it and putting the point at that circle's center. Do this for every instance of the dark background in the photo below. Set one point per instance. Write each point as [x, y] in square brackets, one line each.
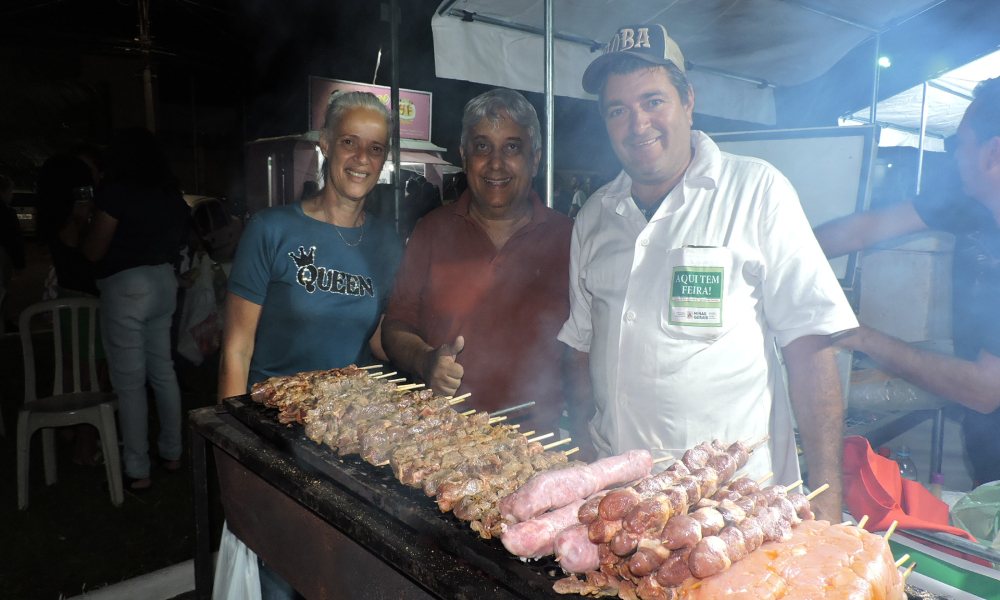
[231, 71]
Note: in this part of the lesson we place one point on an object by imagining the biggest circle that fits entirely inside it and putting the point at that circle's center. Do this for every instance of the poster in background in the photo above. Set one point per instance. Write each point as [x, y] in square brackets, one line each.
[414, 106]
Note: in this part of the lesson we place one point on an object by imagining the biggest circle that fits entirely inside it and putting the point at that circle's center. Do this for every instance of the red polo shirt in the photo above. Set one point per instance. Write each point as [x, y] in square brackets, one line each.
[509, 304]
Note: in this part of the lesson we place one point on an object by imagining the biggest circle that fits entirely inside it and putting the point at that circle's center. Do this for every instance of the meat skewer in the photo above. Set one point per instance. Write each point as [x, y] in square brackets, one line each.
[684, 532]
[715, 553]
[626, 516]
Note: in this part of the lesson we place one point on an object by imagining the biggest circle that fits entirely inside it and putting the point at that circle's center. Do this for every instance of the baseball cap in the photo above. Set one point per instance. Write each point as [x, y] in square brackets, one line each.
[647, 42]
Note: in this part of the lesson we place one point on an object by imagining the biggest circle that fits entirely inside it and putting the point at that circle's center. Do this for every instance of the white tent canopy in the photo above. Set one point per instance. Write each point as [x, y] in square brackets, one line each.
[947, 98]
[763, 43]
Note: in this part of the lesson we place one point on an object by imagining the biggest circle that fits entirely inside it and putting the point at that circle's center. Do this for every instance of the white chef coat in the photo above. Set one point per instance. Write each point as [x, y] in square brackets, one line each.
[674, 361]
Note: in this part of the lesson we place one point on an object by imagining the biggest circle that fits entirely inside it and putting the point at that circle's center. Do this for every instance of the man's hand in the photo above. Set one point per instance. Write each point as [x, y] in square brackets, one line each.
[974, 384]
[440, 371]
[827, 507]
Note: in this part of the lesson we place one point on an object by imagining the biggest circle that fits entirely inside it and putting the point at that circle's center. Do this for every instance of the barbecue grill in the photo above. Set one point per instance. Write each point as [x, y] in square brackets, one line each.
[338, 527]
[395, 525]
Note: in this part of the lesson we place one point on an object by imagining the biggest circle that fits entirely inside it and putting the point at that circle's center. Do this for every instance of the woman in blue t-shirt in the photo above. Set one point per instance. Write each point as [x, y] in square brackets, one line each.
[310, 280]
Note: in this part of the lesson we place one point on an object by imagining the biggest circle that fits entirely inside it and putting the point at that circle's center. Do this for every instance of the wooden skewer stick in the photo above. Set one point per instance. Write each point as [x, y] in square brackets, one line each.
[395, 380]
[497, 419]
[371, 367]
[659, 460]
[469, 412]
[527, 433]
[818, 491]
[514, 426]
[382, 464]
[571, 451]
[890, 530]
[758, 443]
[789, 488]
[862, 522]
[902, 559]
[541, 437]
[412, 386]
[769, 475]
[384, 375]
[559, 443]
[461, 398]
[908, 571]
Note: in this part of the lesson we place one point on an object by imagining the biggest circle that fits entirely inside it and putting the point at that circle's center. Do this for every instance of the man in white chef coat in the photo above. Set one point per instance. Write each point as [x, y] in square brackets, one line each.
[687, 272]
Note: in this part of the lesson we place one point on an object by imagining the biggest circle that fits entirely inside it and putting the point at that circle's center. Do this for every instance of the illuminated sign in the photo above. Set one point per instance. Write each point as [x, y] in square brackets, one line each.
[414, 106]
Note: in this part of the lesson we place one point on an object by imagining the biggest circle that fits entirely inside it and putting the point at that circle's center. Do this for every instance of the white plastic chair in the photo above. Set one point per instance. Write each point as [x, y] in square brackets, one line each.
[65, 408]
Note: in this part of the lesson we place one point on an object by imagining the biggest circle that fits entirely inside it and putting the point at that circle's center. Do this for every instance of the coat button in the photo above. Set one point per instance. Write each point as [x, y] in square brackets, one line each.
[630, 316]
[644, 242]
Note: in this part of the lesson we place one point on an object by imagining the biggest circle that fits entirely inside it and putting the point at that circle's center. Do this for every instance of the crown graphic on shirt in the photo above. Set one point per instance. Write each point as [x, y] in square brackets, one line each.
[304, 259]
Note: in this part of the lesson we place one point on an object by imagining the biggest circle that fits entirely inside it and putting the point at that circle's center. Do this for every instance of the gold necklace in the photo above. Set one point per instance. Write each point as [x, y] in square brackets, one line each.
[360, 237]
[333, 221]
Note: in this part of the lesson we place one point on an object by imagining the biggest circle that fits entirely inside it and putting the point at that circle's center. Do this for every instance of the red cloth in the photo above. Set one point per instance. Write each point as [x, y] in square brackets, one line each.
[508, 305]
[873, 487]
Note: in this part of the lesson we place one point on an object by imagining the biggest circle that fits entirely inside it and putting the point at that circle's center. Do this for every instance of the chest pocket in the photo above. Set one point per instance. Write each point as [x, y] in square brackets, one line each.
[695, 299]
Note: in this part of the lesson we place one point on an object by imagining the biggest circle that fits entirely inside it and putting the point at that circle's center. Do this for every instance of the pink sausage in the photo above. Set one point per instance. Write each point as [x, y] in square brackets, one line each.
[534, 538]
[558, 488]
[574, 550]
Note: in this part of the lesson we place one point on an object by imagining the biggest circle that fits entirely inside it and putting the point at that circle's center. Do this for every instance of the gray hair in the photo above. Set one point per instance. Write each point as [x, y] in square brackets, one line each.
[342, 102]
[489, 105]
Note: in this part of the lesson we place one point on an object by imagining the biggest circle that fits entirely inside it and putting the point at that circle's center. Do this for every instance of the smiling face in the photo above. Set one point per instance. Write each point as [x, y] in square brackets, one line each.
[649, 127]
[355, 151]
[499, 165]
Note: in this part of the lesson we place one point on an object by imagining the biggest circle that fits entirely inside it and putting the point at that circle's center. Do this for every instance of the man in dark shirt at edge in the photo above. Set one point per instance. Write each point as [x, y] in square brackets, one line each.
[483, 286]
[972, 377]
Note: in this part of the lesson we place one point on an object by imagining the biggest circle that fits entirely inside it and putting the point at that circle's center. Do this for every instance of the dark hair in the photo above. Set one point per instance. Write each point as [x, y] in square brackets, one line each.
[59, 176]
[985, 120]
[135, 158]
[630, 64]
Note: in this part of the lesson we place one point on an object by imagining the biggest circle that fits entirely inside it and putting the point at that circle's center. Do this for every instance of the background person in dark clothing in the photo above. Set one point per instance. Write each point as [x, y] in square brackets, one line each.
[11, 239]
[972, 377]
[561, 200]
[65, 207]
[134, 239]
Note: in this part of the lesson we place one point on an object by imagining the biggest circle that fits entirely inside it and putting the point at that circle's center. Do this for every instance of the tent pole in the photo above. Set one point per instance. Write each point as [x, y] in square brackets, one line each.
[878, 50]
[923, 132]
[397, 185]
[550, 112]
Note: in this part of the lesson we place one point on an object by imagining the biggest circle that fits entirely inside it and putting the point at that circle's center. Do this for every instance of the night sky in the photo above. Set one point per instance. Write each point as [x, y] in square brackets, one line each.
[231, 71]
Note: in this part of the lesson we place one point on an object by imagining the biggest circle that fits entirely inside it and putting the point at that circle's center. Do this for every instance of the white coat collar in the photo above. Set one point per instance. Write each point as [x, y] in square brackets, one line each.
[703, 172]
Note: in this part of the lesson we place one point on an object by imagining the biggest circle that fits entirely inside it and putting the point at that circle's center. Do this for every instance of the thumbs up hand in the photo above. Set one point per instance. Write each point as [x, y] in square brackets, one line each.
[440, 371]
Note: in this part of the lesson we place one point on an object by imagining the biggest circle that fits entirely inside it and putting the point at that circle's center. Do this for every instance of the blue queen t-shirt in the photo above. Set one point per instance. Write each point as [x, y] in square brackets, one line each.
[321, 298]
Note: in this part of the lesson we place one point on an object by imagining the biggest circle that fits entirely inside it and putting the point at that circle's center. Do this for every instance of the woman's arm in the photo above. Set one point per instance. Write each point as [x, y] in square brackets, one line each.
[238, 336]
[378, 353]
[97, 237]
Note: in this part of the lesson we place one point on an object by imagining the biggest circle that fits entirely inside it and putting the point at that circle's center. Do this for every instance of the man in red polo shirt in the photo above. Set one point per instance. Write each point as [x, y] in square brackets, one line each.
[483, 287]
